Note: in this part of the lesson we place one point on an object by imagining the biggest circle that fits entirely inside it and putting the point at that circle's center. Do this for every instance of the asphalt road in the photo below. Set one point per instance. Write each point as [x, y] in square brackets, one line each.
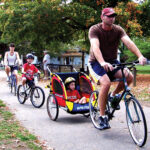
[71, 132]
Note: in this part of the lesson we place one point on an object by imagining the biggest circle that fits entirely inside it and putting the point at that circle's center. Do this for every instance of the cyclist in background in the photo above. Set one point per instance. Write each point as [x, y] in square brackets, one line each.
[29, 70]
[11, 61]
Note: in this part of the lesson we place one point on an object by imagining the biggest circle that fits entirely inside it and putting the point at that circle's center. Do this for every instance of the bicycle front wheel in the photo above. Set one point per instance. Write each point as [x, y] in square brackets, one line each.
[136, 122]
[11, 85]
[37, 97]
[94, 109]
[21, 94]
[15, 87]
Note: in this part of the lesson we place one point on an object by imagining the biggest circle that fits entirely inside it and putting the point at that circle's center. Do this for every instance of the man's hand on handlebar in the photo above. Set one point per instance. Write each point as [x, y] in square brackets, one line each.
[107, 66]
[142, 60]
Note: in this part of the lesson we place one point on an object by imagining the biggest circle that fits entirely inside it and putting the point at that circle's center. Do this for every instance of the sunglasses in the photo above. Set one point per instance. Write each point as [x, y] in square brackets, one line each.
[111, 16]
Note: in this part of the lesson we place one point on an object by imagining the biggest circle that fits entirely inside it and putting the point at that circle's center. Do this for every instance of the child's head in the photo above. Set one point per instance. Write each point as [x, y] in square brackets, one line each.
[29, 58]
[70, 83]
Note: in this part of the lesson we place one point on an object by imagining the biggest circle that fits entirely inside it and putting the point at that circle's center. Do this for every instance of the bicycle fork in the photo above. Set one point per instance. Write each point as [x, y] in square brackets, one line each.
[127, 100]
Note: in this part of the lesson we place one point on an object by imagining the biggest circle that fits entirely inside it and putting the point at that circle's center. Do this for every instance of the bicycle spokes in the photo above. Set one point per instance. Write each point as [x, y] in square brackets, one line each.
[94, 109]
[37, 97]
[36, 93]
[136, 122]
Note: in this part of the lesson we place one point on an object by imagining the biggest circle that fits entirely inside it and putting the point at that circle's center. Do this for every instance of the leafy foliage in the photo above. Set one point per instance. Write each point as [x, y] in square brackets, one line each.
[127, 18]
[143, 44]
[56, 25]
[144, 18]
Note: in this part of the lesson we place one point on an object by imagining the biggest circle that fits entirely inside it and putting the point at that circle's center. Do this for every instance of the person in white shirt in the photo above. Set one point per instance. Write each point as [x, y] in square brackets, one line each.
[35, 61]
[11, 61]
[46, 60]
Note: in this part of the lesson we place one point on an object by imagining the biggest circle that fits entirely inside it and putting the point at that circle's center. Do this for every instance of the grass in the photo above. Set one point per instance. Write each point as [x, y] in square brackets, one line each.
[143, 69]
[13, 135]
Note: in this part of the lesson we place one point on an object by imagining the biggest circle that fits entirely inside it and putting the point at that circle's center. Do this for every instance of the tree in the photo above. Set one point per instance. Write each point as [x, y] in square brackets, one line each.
[144, 18]
[34, 26]
[40, 24]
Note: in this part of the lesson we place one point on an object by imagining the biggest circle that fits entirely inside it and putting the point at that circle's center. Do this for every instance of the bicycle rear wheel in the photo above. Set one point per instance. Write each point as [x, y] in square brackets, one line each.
[11, 84]
[52, 107]
[15, 86]
[21, 94]
[94, 109]
[37, 97]
[136, 122]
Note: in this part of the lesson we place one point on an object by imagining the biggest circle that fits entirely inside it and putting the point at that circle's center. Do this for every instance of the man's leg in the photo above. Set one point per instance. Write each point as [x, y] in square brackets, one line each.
[99, 74]
[45, 71]
[103, 93]
[45, 74]
[120, 85]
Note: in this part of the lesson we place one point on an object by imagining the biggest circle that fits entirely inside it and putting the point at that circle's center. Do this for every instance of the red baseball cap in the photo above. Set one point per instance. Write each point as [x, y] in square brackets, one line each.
[108, 12]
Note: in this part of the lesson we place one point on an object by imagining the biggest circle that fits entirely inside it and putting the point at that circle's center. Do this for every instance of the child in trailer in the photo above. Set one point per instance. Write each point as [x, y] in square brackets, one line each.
[29, 70]
[72, 94]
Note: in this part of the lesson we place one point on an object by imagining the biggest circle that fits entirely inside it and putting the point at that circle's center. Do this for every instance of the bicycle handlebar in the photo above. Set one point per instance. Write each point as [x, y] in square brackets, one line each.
[126, 64]
[35, 74]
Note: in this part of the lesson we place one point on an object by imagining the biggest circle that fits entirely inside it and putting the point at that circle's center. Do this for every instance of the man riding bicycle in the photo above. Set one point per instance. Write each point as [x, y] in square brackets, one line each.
[104, 39]
[11, 61]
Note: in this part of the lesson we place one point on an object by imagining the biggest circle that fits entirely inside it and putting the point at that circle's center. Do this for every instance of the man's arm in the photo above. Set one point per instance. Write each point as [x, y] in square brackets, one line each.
[44, 59]
[133, 48]
[95, 47]
[97, 53]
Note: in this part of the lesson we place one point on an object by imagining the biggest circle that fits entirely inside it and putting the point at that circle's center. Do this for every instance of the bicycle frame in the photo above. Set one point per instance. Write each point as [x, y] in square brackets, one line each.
[13, 77]
[124, 94]
[29, 89]
[28, 92]
[12, 81]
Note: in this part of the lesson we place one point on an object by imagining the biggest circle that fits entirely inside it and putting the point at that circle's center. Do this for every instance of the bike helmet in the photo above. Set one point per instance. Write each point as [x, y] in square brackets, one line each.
[69, 80]
[29, 56]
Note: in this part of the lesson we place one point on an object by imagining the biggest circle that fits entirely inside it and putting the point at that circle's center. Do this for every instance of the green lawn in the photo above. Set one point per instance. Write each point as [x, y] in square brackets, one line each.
[12, 135]
[143, 69]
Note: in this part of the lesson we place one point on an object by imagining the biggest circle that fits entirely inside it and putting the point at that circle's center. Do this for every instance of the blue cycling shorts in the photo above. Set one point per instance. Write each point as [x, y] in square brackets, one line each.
[12, 68]
[97, 71]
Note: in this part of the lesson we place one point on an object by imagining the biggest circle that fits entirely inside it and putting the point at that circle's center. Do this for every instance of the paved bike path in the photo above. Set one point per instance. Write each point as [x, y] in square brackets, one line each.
[71, 132]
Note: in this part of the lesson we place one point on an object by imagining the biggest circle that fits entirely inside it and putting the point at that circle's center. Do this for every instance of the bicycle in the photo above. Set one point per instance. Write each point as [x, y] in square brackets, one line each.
[135, 117]
[12, 82]
[36, 93]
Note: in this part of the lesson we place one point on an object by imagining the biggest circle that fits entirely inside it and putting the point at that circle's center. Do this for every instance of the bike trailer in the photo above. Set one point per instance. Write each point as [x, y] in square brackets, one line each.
[83, 85]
